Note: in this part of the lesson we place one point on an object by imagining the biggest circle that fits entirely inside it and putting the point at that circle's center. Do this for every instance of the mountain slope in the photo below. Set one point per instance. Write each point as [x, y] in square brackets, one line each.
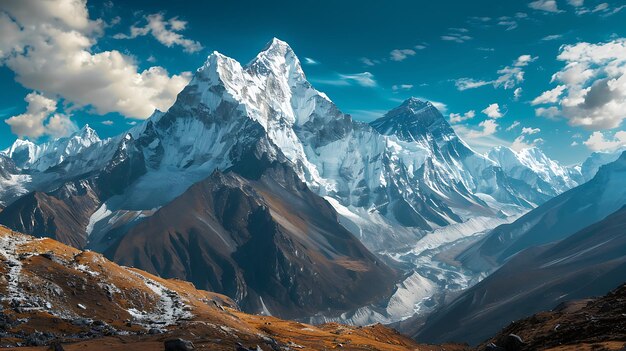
[554, 220]
[65, 213]
[260, 235]
[533, 167]
[568, 325]
[588, 263]
[52, 293]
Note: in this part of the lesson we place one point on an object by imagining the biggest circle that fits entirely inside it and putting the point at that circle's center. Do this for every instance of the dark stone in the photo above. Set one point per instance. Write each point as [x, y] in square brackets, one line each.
[56, 346]
[178, 345]
[494, 347]
[512, 342]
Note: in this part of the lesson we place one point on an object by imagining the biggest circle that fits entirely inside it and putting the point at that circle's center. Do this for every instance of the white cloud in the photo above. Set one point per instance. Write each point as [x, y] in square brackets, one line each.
[574, 143]
[523, 142]
[457, 35]
[530, 130]
[59, 125]
[600, 7]
[599, 142]
[509, 76]
[401, 54]
[310, 61]
[365, 79]
[576, 3]
[493, 111]
[513, 125]
[397, 87]
[469, 83]
[592, 93]
[552, 37]
[40, 119]
[164, 31]
[517, 93]
[548, 112]
[488, 127]
[368, 62]
[108, 122]
[544, 5]
[458, 117]
[550, 96]
[51, 48]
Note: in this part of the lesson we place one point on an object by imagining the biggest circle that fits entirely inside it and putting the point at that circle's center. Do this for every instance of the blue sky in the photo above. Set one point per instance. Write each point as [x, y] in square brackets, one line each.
[366, 55]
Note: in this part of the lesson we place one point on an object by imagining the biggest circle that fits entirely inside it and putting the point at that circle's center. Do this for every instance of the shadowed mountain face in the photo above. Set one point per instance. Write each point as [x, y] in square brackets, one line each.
[258, 234]
[588, 263]
[588, 324]
[64, 213]
[554, 220]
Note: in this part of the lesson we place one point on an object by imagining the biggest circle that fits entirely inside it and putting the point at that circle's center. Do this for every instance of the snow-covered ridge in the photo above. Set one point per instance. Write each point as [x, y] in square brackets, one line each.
[532, 166]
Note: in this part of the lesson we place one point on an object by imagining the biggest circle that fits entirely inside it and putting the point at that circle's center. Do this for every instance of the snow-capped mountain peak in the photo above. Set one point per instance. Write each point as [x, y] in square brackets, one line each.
[29, 155]
[414, 120]
[534, 167]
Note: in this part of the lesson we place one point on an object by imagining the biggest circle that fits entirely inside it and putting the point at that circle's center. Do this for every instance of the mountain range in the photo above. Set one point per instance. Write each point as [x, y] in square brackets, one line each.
[254, 184]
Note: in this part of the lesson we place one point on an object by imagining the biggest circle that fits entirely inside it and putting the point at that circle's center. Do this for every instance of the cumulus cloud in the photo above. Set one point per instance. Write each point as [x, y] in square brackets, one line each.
[458, 117]
[544, 5]
[164, 31]
[592, 85]
[51, 48]
[517, 93]
[523, 141]
[401, 54]
[576, 3]
[493, 111]
[509, 77]
[487, 127]
[599, 142]
[548, 112]
[550, 96]
[40, 119]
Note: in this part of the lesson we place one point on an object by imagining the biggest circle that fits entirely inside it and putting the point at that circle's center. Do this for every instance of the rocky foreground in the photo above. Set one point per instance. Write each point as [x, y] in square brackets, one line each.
[56, 297]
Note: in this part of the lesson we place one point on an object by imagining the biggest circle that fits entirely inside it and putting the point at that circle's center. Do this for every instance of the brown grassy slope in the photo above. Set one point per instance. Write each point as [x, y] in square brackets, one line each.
[85, 301]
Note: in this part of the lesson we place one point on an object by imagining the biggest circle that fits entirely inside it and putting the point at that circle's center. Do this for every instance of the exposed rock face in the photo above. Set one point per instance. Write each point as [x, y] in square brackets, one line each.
[62, 215]
[258, 234]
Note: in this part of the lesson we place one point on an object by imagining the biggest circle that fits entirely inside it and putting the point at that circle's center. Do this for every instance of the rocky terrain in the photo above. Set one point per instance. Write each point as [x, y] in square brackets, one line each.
[56, 295]
[588, 324]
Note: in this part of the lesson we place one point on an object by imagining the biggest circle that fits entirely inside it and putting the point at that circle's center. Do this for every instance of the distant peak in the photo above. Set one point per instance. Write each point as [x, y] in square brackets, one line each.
[414, 106]
[86, 132]
[277, 44]
[413, 120]
[413, 101]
